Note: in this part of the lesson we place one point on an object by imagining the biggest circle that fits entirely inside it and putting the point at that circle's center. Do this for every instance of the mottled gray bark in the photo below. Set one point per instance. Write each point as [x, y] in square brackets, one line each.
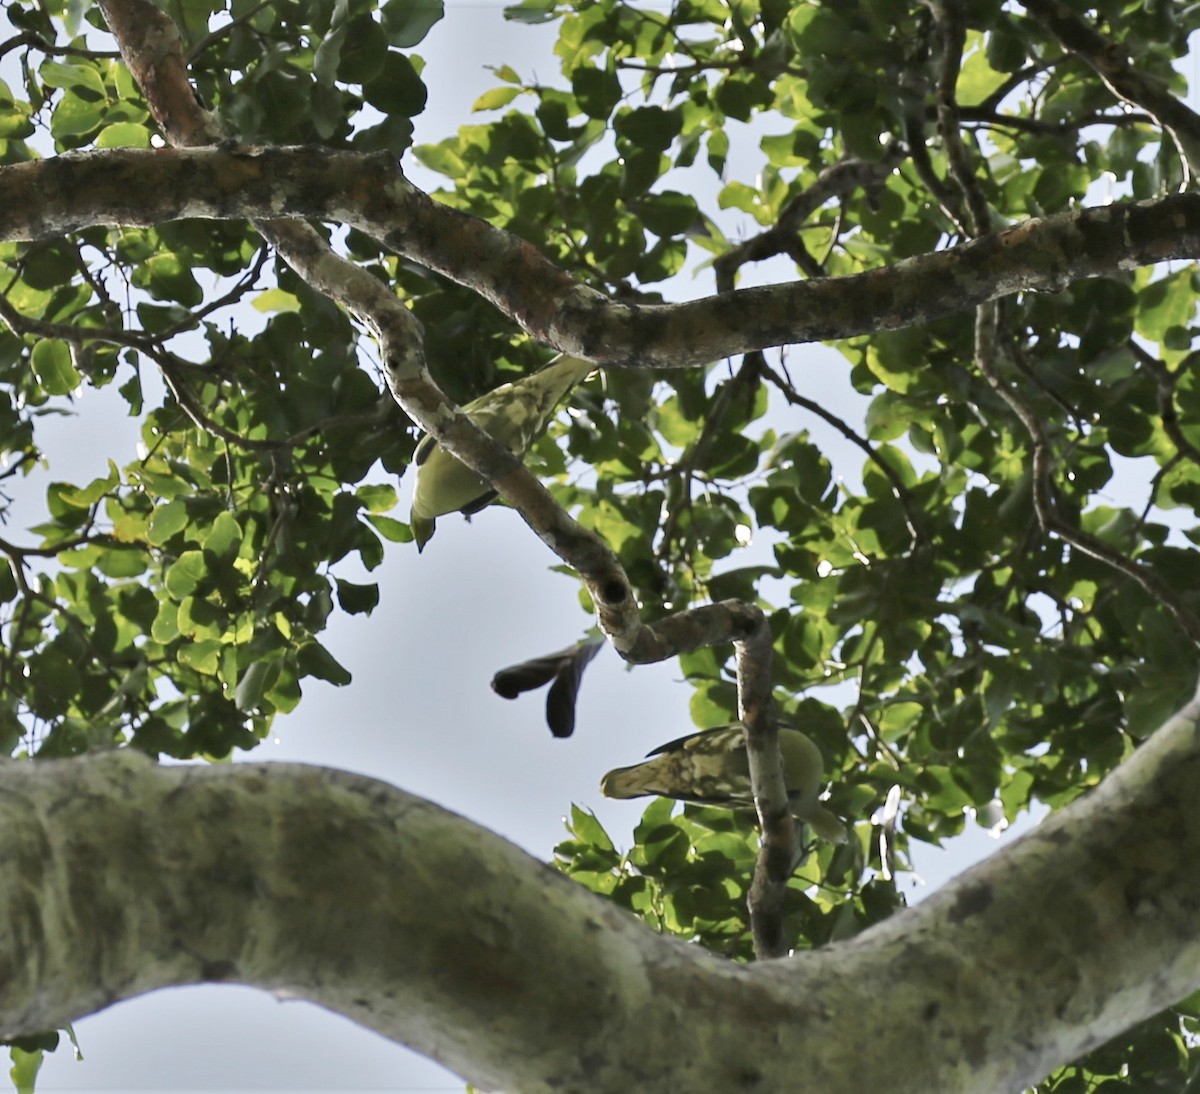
[118, 877]
[368, 192]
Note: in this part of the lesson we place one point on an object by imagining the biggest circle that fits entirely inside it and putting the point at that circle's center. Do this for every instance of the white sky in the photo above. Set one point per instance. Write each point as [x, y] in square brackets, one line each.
[420, 713]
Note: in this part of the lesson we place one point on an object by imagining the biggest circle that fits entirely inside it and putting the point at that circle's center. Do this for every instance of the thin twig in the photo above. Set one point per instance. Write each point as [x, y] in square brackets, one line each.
[987, 119]
[1165, 382]
[987, 358]
[1113, 64]
[952, 28]
[916, 537]
[33, 40]
[835, 181]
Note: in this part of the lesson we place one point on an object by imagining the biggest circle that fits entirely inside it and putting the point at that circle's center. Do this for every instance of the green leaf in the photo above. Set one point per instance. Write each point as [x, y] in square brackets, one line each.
[86, 497]
[377, 497]
[408, 23]
[8, 585]
[357, 599]
[16, 122]
[1006, 49]
[718, 151]
[397, 88]
[496, 98]
[649, 128]
[203, 656]
[169, 277]
[741, 94]
[328, 56]
[313, 659]
[531, 11]
[123, 135]
[258, 678]
[185, 574]
[276, 300]
[979, 78]
[390, 528]
[81, 77]
[52, 367]
[364, 51]
[224, 537]
[441, 158]
[76, 118]
[53, 680]
[167, 520]
[1164, 303]
[165, 628]
[587, 829]
[596, 90]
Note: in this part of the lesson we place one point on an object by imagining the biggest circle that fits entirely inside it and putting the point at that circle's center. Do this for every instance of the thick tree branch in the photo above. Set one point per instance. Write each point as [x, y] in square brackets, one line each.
[119, 877]
[124, 186]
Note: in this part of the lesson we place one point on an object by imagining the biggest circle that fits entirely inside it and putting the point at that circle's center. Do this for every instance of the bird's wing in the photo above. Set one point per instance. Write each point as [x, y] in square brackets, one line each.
[425, 447]
[706, 739]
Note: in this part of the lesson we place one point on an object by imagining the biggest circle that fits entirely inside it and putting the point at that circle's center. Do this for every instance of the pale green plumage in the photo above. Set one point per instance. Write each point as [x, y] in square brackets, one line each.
[712, 768]
[513, 414]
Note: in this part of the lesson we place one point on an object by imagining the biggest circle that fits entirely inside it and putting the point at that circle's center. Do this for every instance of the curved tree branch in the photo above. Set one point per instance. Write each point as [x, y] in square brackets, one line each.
[120, 877]
[368, 192]
[838, 180]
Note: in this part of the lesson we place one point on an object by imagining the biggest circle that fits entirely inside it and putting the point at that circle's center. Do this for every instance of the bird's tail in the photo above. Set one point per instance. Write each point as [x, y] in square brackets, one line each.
[626, 782]
[826, 824]
[558, 377]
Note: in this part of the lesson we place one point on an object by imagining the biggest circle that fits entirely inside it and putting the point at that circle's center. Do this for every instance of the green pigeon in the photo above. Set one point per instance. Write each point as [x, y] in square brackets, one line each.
[711, 768]
[515, 415]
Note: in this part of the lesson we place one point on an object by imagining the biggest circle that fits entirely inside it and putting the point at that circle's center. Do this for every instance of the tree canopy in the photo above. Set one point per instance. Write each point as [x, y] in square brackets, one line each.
[988, 210]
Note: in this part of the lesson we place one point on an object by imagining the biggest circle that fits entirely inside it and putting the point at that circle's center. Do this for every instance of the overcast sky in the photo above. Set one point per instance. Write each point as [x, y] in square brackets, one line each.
[420, 713]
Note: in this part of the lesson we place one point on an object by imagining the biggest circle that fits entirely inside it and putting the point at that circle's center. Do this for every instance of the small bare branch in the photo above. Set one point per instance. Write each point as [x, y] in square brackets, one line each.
[835, 181]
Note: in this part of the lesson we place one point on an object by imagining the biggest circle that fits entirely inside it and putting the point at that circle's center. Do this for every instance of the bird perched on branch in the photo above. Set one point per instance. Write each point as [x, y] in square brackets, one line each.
[513, 414]
[711, 768]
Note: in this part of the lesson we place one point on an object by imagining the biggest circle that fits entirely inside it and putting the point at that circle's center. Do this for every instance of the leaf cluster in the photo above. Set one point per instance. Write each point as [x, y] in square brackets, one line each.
[688, 873]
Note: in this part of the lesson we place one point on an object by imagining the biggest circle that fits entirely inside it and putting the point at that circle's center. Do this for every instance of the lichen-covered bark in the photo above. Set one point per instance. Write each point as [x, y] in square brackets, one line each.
[118, 877]
[46, 199]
